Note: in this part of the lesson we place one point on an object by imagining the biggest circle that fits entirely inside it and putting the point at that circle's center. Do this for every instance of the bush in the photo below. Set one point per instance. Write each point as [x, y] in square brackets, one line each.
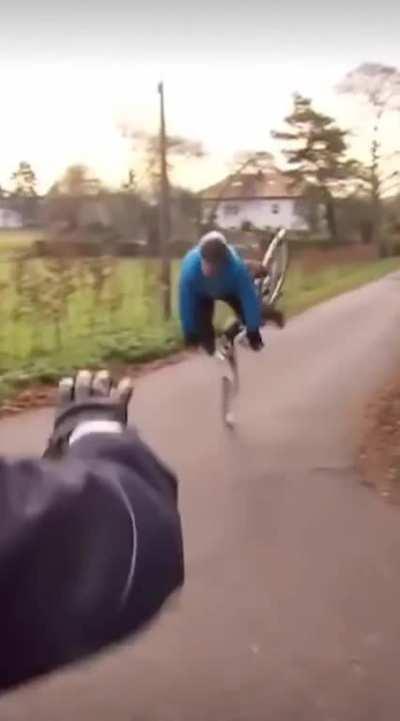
[395, 249]
[247, 226]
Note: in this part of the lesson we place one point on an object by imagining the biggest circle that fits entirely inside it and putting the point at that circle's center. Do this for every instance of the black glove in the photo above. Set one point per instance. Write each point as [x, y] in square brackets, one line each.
[255, 340]
[87, 398]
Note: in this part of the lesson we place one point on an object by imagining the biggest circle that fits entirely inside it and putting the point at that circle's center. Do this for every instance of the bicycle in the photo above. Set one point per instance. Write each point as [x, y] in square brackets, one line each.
[269, 287]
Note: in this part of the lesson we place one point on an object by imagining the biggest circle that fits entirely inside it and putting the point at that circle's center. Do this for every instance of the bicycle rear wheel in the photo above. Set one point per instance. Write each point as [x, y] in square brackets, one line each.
[275, 262]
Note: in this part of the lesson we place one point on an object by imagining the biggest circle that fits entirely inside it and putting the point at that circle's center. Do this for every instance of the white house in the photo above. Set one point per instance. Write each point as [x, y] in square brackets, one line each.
[10, 218]
[263, 199]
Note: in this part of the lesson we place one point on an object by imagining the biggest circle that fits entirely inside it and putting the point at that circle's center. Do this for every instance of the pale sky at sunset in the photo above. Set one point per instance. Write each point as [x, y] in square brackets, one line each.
[71, 74]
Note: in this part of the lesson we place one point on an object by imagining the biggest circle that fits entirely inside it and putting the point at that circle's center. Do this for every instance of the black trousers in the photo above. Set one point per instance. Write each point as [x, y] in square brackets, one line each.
[205, 311]
[206, 315]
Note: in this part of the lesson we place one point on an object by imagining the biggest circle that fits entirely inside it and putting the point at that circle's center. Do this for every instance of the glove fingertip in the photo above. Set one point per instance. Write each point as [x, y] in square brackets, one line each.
[65, 390]
[102, 383]
[124, 390]
[83, 385]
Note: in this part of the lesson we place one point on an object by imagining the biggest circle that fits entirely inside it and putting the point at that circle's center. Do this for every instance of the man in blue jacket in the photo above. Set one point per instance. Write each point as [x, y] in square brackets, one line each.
[214, 271]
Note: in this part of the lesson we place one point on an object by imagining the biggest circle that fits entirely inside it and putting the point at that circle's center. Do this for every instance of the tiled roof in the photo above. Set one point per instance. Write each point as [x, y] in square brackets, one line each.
[267, 184]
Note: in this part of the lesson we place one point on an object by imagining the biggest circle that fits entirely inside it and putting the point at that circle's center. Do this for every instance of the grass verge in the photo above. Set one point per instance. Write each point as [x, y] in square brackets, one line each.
[303, 290]
[134, 333]
[12, 241]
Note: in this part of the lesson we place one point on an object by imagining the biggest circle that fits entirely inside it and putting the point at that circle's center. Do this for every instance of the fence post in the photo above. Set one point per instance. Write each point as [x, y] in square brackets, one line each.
[164, 213]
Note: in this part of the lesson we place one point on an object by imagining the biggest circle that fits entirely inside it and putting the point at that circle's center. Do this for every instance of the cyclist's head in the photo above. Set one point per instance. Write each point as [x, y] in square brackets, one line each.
[214, 252]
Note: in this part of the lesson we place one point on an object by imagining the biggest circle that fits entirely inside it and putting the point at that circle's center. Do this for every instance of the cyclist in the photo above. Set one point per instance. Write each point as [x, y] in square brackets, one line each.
[212, 271]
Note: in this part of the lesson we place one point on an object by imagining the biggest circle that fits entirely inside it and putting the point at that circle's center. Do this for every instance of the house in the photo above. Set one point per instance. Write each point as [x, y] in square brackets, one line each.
[19, 212]
[10, 218]
[262, 199]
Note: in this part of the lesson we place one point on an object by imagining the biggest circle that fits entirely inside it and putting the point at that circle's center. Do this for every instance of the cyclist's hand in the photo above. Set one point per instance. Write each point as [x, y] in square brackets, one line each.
[255, 339]
[87, 398]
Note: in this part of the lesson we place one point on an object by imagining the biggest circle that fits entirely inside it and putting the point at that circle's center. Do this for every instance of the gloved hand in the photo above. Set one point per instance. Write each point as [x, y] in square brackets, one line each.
[255, 340]
[87, 398]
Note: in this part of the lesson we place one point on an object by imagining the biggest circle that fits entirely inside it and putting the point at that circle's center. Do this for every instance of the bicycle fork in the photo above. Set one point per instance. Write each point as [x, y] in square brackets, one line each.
[229, 383]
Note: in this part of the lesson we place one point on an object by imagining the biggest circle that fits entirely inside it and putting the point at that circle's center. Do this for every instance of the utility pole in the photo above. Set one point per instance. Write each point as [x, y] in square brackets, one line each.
[164, 213]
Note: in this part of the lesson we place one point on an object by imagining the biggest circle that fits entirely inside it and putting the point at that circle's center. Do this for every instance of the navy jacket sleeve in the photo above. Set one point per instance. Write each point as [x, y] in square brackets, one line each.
[90, 548]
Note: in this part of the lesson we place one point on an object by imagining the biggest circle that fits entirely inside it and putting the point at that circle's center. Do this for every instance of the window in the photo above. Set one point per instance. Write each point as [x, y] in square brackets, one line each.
[275, 208]
[231, 209]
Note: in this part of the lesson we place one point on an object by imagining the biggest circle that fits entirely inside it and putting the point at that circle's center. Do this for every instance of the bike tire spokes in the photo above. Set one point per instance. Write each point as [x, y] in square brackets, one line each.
[276, 260]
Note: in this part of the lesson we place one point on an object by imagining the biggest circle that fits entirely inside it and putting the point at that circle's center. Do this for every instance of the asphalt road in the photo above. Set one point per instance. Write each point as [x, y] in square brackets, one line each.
[291, 608]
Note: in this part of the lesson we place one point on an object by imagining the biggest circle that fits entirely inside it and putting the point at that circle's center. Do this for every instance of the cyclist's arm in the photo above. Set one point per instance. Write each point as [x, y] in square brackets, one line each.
[256, 268]
[187, 302]
[248, 297]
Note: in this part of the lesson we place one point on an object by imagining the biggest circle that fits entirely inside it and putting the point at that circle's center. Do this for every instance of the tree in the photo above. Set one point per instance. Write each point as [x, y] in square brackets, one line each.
[129, 186]
[188, 203]
[147, 145]
[24, 180]
[379, 86]
[316, 156]
[67, 197]
[77, 181]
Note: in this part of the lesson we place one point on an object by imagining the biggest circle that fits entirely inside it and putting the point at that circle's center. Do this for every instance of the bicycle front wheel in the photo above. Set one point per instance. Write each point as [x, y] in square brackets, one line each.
[229, 388]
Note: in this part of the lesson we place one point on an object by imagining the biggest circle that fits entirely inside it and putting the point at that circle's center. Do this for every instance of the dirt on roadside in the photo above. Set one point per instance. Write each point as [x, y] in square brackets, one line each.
[379, 459]
[41, 395]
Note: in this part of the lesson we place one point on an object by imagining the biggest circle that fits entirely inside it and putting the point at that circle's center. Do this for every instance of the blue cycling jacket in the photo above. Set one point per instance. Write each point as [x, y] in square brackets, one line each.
[233, 279]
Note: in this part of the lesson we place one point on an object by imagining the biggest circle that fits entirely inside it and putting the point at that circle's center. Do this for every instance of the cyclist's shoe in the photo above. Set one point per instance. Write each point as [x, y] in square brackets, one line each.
[255, 340]
[232, 331]
[273, 315]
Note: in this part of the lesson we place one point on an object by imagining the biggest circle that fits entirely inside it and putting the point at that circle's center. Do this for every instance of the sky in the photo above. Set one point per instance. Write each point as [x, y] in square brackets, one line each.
[72, 74]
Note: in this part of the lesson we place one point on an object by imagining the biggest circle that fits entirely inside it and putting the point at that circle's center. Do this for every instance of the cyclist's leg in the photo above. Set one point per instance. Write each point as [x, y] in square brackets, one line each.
[273, 315]
[269, 314]
[205, 312]
[234, 326]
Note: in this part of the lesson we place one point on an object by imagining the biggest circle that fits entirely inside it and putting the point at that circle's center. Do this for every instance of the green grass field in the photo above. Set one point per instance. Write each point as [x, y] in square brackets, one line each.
[305, 289]
[15, 240]
[56, 315]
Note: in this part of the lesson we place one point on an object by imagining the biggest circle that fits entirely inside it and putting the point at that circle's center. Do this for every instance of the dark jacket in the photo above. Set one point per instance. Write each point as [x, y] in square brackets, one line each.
[90, 548]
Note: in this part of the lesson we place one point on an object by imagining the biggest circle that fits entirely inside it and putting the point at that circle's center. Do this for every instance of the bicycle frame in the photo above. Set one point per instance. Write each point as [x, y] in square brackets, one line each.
[226, 349]
[226, 353]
